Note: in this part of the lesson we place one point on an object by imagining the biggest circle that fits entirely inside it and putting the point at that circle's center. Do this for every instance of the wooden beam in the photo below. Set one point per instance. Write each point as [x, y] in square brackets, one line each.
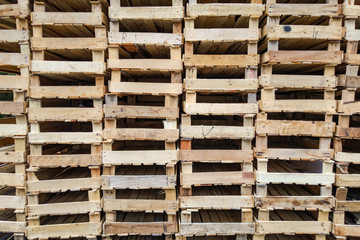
[302, 57]
[293, 227]
[149, 134]
[141, 88]
[137, 205]
[7, 35]
[158, 157]
[191, 229]
[81, 160]
[143, 228]
[294, 128]
[220, 85]
[294, 154]
[63, 208]
[67, 18]
[147, 13]
[217, 132]
[295, 202]
[318, 10]
[66, 92]
[63, 185]
[64, 137]
[221, 34]
[138, 181]
[306, 105]
[126, 111]
[277, 32]
[65, 114]
[220, 108]
[146, 64]
[63, 67]
[228, 9]
[216, 202]
[295, 178]
[207, 60]
[166, 39]
[217, 178]
[216, 155]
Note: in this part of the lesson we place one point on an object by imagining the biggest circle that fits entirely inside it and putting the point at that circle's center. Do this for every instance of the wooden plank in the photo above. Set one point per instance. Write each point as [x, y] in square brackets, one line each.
[81, 160]
[293, 227]
[167, 39]
[352, 35]
[158, 157]
[9, 82]
[146, 64]
[65, 114]
[64, 137]
[216, 155]
[137, 205]
[190, 229]
[41, 43]
[347, 132]
[295, 178]
[221, 34]
[138, 181]
[299, 105]
[348, 180]
[294, 154]
[14, 59]
[348, 157]
[295, 202]
[147, 13]
[294, 128]
[352, 59]
[12, 157]
[145, 228]
[216, 202]
[11, 130]
[217, 132]
[217, 178]
[63, 208]
[277, 32]
[145, 88]
[220, 108]
[71, 18]
[349, 107]
[8, 35]
[63, 185]
[12, 108]
[66, 92]
[12, 180]
[302, 57]
[227, 9]
[126, 111]
[63, 230]
[279, 9]
[347, 230]
[220, 85]
[208, 60]
[12, 202]
[298, 81]
[351, 10]
[352, 81]
[14, 10]
[170, 135]
[62, 67]
[349, 206]
[12, 226]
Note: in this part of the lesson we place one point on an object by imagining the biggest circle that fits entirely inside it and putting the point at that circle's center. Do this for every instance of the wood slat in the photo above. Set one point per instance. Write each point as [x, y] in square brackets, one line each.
[138, 181]
[158, 157]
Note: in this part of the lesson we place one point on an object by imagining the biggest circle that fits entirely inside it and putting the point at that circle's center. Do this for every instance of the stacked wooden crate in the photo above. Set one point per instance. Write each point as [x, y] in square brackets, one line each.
[14, 80]
[217, 126]
[141, 118]
[300, 49]
[347, 136]
[65, 115]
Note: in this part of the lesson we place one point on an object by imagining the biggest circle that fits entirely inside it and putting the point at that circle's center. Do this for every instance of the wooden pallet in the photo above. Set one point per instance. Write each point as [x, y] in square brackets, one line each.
[154, 52]
[284, 36]
[63, 202]
[77, 40]
[216, 43]
[140, 210]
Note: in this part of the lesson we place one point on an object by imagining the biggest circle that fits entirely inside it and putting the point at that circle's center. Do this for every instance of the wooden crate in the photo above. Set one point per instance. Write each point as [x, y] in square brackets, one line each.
[77, 37]
[63, 202]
